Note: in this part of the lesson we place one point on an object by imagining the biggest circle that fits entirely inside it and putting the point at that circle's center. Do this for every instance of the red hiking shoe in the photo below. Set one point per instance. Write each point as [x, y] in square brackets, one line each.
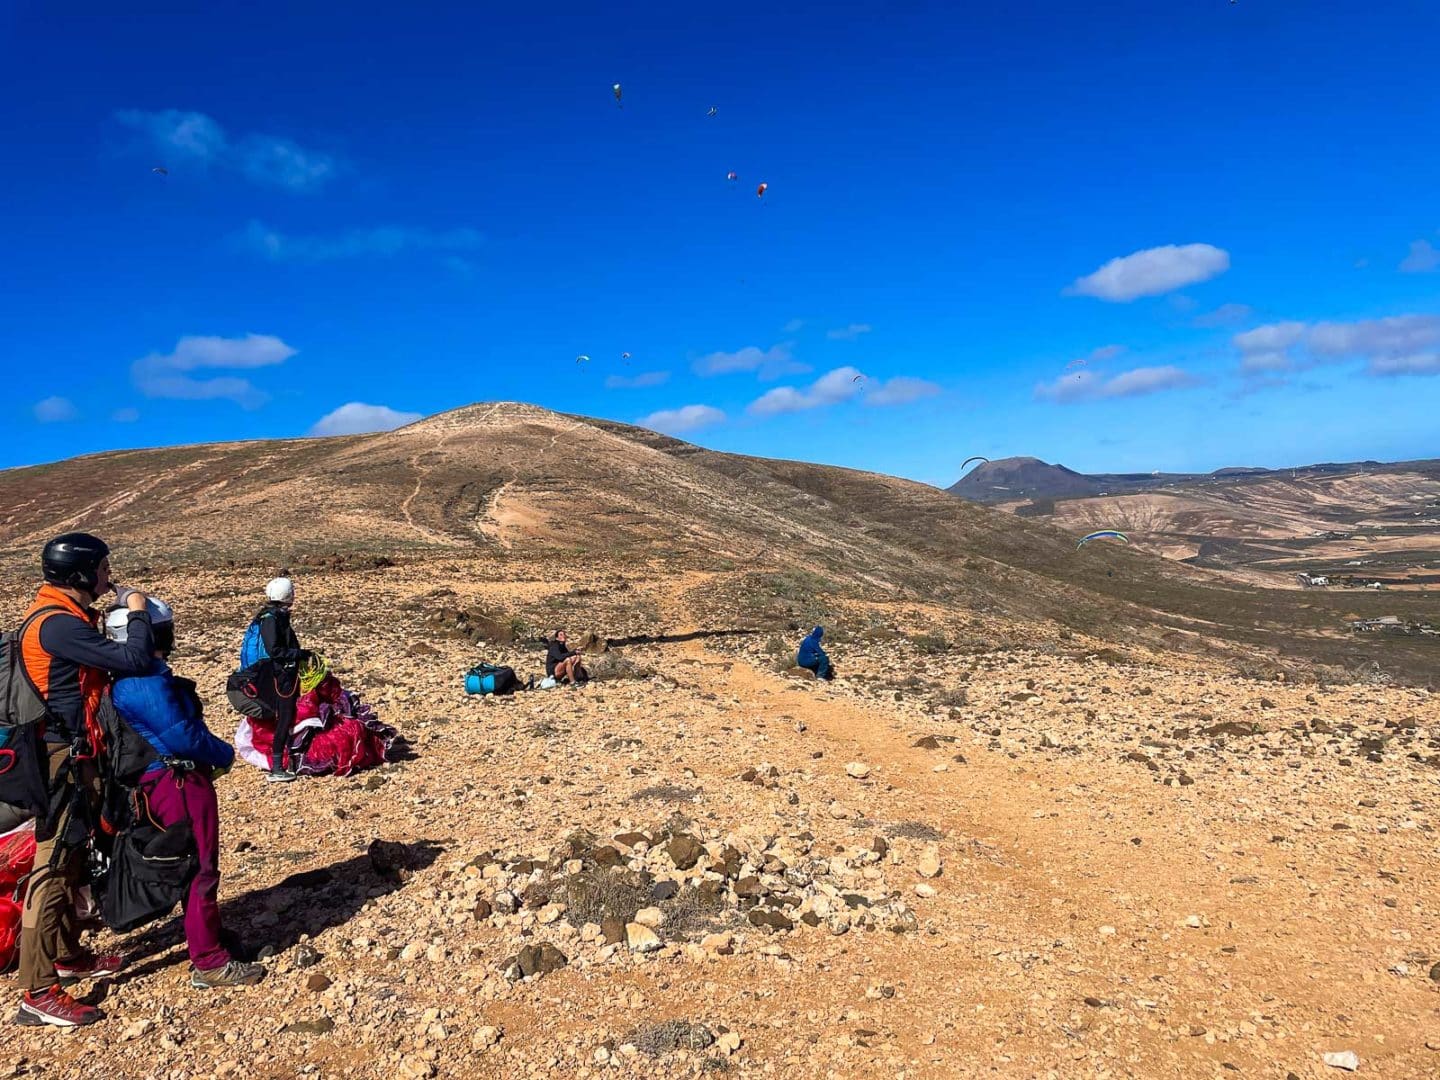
[89, 965]
[55, 1007]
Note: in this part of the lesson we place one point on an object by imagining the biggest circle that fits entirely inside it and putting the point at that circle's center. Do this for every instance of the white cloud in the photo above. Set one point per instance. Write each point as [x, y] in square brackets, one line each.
[125, 416]
[1105, 352]
[190, 138]
[166, 375]
[382, 240]
[55, 410]
[1270, 347]
[357, 418]
[685, 418]
[794, 326]
[1423, 258]
[901, 390]
[849, 333]
[1152, 272]
[830, 389]
[1416, 364]
[1224, 315]
[1396, 345]
[771, 363]
[1088, 386]
[637, 382]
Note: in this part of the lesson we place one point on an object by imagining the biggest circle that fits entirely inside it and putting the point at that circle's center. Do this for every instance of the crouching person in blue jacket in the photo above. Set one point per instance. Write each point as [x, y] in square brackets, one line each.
[812, 656]
[166, 712]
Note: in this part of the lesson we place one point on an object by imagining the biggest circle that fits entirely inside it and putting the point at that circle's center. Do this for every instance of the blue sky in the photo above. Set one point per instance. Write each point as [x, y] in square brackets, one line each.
[1229, 212]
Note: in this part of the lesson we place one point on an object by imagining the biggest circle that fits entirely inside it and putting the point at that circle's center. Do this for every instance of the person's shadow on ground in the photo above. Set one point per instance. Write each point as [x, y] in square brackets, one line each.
[309, 902]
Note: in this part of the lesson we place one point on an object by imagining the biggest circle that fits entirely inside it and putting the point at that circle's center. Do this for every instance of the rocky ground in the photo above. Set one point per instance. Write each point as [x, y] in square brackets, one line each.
[1049, 861]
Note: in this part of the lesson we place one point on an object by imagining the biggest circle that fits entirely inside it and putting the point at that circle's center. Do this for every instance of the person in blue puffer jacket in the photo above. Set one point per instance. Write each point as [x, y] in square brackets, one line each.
[165, 711]
[812, 656]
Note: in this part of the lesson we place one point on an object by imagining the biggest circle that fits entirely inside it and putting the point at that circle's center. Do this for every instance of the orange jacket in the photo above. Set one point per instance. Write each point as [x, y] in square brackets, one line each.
[69, 661]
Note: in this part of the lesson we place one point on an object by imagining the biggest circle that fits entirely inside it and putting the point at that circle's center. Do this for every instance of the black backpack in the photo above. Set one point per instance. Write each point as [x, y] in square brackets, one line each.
[149, 868]
[24, 762]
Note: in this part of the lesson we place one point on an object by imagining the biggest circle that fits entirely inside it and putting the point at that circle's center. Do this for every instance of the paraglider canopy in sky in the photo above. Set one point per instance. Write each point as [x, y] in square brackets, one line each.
[581, 359]
[161, 170]
[966, 463]
[732, 176]
[760, 191]
[616, 91]
[1103, 534]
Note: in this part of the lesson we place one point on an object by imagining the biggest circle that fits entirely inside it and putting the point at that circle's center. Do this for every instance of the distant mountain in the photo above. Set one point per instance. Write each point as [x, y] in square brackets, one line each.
[1018, 479]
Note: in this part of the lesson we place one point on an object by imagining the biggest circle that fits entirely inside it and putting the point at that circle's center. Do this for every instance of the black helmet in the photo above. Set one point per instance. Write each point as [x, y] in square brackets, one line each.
[73, 560]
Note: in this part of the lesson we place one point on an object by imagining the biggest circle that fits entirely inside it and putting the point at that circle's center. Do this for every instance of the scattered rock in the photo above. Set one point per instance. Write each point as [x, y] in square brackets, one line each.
[317, 983]
[486, 1037]
[538, 960]
[770, 918]
[642, 939]
[322, 1026]
[1343, 1059]
[612, 928]
[858, 769]
[684, 851]
[722, 944]
[389, 859]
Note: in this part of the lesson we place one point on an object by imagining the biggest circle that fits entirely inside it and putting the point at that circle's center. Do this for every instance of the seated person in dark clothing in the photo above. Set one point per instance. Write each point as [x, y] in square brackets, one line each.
[562, 663]
[812, 656]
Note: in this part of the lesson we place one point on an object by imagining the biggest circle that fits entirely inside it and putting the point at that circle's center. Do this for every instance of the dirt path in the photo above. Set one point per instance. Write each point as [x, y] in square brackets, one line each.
[1067, 881]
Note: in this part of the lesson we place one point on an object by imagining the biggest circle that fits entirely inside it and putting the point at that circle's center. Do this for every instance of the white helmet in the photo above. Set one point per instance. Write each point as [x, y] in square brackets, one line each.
[117, 623]
[281, 590]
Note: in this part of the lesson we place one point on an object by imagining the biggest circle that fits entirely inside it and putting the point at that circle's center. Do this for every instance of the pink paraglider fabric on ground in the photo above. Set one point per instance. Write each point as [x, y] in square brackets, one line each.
[336, 731]
[17, 859]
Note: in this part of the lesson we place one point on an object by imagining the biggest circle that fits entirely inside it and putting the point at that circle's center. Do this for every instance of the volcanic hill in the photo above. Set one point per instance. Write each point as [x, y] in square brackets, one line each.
[1060, 813]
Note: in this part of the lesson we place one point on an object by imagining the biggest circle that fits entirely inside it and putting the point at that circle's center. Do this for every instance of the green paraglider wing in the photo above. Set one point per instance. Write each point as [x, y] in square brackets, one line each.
[1103, 534]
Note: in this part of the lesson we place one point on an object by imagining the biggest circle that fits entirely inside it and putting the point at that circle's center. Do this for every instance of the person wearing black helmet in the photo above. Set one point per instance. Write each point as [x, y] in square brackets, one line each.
[69, 663]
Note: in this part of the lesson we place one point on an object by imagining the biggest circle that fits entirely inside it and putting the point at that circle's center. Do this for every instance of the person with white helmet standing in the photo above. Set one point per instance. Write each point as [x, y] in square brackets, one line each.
[178, 786]
[271, 637]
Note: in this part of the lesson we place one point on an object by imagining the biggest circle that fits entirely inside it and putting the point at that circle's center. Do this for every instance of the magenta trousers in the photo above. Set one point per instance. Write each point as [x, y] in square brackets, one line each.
[171, 799]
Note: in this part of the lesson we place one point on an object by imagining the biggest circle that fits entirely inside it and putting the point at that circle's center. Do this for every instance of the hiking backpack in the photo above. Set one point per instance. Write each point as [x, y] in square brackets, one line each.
[491, 679]
[24, 762]
[252, 647]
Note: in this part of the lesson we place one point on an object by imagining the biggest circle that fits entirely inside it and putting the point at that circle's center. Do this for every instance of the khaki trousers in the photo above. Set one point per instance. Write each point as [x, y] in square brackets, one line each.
[49, 930]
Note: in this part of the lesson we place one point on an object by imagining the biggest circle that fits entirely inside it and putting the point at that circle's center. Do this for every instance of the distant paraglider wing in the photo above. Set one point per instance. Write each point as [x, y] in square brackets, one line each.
[161, 170]
[760, 191]
[1103, 534]
[1074, 364]
[616, 91]
[582, 359]
[966, 463]
[732, 176]
[713, 111]
[858, 378]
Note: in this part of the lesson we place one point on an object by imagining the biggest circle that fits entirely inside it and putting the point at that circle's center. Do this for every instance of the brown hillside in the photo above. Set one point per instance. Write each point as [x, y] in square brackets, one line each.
[514, 481]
